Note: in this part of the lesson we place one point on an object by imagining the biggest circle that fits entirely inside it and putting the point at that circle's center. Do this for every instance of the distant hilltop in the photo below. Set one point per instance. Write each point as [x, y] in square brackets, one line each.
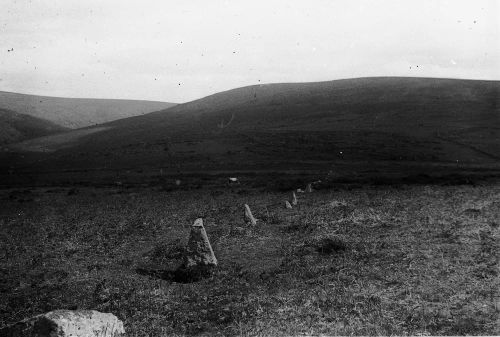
[76, 113]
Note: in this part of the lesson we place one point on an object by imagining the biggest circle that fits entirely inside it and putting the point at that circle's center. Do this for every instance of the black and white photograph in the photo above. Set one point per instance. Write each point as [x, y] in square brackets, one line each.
[249, 168]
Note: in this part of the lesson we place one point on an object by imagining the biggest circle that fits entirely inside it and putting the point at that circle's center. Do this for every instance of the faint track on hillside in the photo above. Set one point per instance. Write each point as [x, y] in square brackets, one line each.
[471, 147]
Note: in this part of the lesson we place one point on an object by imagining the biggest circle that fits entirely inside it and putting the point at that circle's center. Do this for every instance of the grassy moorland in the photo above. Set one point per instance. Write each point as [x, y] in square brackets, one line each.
[349, 260]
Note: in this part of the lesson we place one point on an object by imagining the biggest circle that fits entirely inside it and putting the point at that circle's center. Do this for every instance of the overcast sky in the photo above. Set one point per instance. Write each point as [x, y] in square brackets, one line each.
[177, 51]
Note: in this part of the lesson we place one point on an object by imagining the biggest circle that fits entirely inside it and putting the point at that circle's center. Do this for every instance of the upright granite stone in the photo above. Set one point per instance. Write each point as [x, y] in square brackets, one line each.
[199, 251]
[288, 205]
[199, 259]
[67, 323]
[249, 216]
[294, 199]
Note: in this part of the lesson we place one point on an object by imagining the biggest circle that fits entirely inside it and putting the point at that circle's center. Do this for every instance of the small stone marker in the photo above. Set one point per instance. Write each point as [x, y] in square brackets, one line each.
[309, 188]
[249, 216]
[238, 230]
[199, 252]
[294, 199]
[233, 181]
[66, 323]
[338, 203]
[287, 205]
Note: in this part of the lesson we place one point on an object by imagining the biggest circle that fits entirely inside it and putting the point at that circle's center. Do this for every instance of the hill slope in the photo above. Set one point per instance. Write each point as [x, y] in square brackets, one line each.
[422, 121]
[15, 127]
[372, 103]
[77, 112]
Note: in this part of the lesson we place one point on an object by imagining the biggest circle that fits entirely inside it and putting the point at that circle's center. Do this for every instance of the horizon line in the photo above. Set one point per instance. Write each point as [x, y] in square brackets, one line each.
[247, 86]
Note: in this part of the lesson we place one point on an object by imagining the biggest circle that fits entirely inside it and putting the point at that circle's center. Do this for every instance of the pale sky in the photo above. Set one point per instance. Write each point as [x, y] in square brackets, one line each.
[177, 51]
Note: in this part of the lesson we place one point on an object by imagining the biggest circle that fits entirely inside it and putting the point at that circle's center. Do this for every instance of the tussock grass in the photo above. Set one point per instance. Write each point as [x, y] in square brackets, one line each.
[377, 260]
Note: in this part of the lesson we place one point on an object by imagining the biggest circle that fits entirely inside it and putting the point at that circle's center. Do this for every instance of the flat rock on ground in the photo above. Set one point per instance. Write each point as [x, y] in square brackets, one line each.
[66, 323]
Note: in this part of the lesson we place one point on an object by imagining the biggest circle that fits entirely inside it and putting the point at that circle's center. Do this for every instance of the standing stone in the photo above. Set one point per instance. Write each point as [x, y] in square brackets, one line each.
[249, 216]
[309, 188]
[199, 252]
[66, 323]
[294, 199]
[287, 205]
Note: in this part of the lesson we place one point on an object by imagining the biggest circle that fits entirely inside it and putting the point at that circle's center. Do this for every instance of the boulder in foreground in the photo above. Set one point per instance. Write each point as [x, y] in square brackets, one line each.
[66, 323]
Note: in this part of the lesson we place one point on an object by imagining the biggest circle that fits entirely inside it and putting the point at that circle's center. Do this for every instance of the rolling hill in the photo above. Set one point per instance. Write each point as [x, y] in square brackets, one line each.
[421, 122]
[77, 112]
[16, 127]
